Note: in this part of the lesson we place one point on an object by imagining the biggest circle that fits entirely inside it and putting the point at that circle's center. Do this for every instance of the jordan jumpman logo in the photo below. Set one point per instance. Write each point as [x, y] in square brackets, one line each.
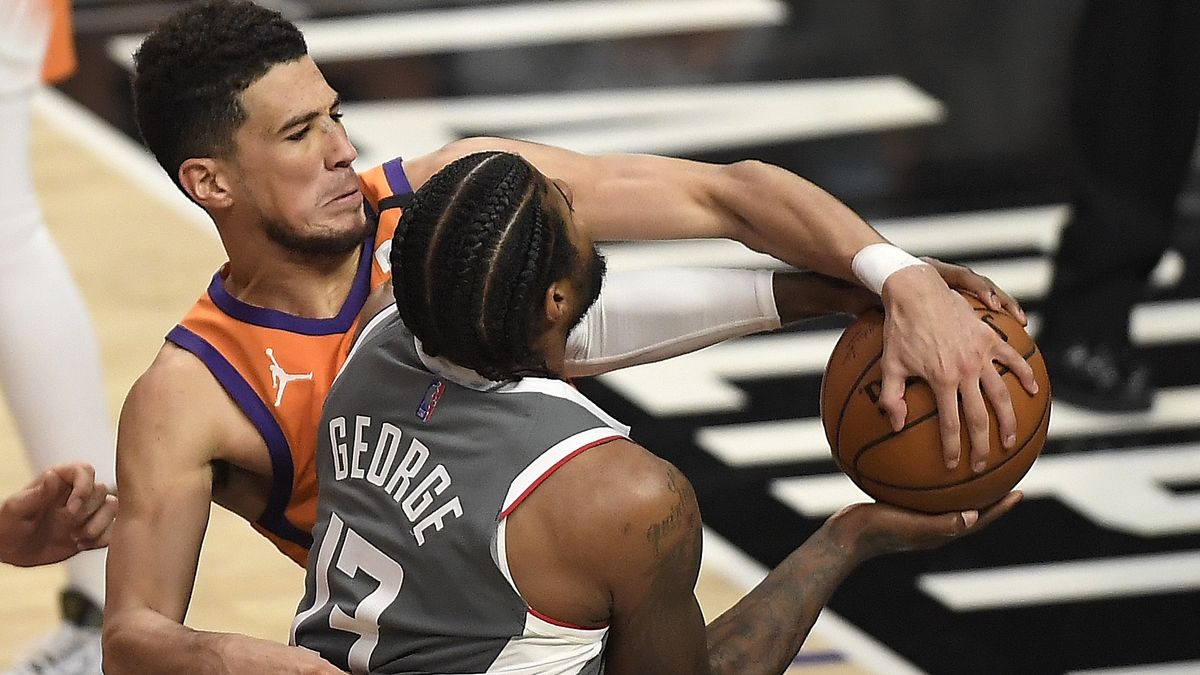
[281, 378]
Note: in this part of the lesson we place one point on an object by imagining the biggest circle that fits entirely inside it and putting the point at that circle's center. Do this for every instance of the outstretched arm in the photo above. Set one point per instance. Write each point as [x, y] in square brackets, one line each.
[635, 532]
[650, 315]
[930, 332]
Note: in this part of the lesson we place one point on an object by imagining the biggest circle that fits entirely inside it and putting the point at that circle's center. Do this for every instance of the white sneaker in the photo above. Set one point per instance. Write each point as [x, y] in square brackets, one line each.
[70, 650]
[73, 649]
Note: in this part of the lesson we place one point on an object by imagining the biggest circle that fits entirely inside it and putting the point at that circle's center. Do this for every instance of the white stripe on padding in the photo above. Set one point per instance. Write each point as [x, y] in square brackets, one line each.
[538, 467]
[1072, 581]
[545, 648]
[510, 25]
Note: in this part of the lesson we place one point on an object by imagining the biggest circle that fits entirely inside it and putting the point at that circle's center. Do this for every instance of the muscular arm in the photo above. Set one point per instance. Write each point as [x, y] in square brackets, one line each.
[164, 450]
[629, 555]
[657, 625]
[628, 196]
[930, 332]
[167, 440]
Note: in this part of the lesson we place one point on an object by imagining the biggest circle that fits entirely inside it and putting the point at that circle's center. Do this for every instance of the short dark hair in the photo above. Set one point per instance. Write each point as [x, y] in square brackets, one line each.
[190, 71]
[472, 259]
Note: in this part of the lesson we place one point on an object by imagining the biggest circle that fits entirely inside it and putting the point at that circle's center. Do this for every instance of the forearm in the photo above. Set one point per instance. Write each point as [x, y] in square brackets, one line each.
[762, 633]
[144, 642]
[807, 295]
[651, 197]
[779, 213]
[650, 315]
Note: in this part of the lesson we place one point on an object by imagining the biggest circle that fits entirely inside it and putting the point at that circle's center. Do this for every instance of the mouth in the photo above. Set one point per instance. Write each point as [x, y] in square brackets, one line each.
[351, 196]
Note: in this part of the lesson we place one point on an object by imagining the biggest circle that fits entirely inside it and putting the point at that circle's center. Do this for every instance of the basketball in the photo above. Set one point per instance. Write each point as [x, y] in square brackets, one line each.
[906, 468]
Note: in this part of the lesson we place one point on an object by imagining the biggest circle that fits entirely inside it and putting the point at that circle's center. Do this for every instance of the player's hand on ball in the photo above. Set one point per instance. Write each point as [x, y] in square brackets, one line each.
[877, 529]
[962, 278]
[932, 333]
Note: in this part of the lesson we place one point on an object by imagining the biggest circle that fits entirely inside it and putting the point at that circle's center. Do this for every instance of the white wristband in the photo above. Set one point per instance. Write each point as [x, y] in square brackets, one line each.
[874, 263]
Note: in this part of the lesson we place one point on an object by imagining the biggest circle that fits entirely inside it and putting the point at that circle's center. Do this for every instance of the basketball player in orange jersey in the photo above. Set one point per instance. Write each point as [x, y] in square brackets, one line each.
[241, 118]
[49, 360]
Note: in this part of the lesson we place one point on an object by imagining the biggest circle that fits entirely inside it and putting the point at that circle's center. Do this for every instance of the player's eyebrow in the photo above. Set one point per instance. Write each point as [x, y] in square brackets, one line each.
[306, 117]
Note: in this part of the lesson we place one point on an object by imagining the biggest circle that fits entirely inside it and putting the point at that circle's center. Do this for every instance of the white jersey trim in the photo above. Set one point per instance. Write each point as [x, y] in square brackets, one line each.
[381, 316]
[540, 385]
[545, 648]
[539, 468]
[561, 389]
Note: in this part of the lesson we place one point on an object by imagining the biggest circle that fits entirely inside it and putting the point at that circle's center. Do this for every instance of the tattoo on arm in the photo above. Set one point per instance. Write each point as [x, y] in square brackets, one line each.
[763, 632]
[683, 496]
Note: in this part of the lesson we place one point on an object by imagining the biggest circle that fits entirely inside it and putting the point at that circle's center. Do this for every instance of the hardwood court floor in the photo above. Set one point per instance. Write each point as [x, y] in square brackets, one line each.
[141, 260]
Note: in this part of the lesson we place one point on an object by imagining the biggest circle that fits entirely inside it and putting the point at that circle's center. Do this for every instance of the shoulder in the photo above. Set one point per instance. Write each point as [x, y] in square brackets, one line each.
[174, 374]
[628, 505]
[175, 401]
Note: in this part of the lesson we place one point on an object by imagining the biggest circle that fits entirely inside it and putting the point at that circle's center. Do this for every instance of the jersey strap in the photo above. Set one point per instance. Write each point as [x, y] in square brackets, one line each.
[550, 461]
[272, 519]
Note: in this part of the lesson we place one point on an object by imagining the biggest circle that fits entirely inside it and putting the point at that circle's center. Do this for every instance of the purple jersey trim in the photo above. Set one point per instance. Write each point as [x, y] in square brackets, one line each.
[273, 518]
[393, 170]
[372, 216]
[273, 318]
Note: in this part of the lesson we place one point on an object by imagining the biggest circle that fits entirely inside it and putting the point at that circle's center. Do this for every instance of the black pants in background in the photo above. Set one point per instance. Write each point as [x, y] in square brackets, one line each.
[1135, 104]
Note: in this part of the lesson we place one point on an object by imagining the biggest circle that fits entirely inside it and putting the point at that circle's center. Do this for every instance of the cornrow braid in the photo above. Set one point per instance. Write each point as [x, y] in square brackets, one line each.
[472, 258]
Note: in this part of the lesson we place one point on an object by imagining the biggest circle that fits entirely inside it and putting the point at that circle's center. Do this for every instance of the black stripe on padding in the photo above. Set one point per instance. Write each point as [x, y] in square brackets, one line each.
[395, 201]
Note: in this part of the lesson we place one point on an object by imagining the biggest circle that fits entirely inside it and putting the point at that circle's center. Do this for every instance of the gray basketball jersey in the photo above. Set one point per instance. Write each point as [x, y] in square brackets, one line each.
[419, 461]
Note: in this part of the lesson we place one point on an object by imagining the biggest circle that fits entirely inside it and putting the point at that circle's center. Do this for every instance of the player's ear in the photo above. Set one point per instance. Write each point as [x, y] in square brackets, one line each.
[556, 300]
[205, 182]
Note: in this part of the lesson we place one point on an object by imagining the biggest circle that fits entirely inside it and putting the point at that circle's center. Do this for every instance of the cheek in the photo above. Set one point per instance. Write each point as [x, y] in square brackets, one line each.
[294, 191]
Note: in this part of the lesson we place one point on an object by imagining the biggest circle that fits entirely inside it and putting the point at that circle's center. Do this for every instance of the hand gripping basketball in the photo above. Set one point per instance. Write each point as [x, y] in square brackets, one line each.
[905, 467]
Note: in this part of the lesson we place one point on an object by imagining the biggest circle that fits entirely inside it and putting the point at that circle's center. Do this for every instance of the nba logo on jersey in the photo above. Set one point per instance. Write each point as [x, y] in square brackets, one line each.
[429, 402]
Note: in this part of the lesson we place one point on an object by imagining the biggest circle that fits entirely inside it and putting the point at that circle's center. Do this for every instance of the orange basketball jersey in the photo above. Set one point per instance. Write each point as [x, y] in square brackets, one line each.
[278, 367]
[59, 62]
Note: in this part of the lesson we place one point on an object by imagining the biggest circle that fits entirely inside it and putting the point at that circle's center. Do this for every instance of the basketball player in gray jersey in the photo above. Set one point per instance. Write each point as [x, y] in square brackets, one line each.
[478, 514]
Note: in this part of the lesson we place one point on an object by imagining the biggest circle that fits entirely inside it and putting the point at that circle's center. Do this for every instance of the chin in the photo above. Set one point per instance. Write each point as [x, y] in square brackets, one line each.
[338, 236]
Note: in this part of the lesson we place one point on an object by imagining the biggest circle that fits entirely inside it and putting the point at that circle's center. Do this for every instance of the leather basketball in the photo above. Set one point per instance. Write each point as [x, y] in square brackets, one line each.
[905, 468]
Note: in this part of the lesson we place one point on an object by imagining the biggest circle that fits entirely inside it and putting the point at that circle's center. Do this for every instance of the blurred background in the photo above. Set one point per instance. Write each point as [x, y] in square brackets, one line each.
[946, 123]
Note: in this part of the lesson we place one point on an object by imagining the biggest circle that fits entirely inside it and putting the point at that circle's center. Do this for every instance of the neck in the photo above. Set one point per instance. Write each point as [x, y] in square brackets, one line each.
[307, 286]
[552, 345]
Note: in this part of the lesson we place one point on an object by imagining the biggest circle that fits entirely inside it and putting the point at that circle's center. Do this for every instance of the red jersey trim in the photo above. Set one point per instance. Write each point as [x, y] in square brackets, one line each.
[563, 624]
[546, 474]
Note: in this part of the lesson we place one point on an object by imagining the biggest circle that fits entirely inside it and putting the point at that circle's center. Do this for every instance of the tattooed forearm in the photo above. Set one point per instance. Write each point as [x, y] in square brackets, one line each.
[763, 632]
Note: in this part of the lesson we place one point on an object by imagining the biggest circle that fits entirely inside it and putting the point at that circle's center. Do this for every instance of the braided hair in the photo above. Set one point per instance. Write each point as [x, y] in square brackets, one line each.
[190, 71]
[472, 258]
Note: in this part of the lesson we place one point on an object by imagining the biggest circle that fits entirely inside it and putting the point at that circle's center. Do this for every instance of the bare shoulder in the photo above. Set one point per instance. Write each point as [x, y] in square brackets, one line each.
[176, 401]
[420, 169]
[631, 504]
[548, 159]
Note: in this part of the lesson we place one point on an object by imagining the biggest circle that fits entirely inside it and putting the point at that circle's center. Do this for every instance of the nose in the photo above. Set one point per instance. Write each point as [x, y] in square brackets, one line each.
[340, 153]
